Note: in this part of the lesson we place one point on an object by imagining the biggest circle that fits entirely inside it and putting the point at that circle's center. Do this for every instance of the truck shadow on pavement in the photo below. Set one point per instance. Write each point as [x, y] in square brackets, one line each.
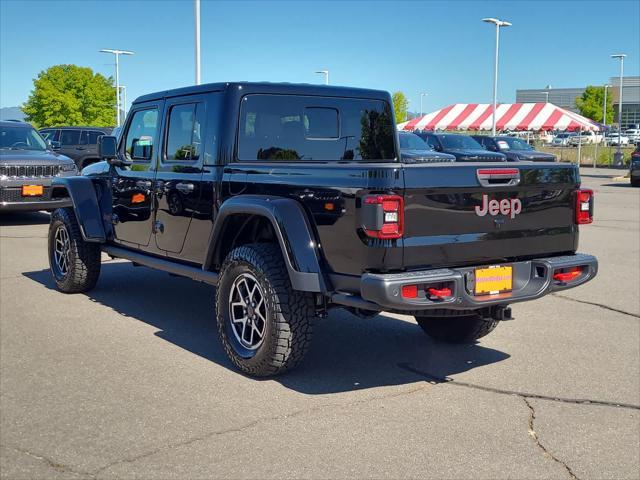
[25, 218]
[347, 353]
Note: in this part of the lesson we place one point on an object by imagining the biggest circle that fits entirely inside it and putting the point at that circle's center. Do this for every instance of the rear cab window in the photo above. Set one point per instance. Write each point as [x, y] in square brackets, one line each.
[309, 128]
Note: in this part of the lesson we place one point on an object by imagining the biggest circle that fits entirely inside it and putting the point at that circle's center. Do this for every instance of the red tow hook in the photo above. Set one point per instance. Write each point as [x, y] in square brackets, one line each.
[568, 276]
[441, 293]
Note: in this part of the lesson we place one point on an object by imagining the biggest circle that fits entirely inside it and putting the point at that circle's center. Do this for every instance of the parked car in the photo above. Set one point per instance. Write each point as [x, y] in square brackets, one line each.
[634, 167]
[633, 134]
[614, 138]
[463, 147]
[585, 137]
[27, 168]
[298, 202]
[562, 139]
[415, 150]
[516, 149]
[77, 143]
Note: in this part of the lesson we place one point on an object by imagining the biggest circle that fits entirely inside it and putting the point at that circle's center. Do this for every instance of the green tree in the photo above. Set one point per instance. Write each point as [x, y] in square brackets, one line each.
[71, 95]
[400, 106]
[591, 102]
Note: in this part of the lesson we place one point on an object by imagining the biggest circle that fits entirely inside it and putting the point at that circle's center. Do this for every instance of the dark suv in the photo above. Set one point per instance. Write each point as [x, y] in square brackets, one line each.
[77, 143]
[463, 147]
[516, 149]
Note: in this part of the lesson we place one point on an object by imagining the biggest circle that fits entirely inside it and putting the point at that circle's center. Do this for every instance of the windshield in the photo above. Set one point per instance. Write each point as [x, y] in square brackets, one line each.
[516, 143]
[459, 141]
[411, 141]
[20, 138]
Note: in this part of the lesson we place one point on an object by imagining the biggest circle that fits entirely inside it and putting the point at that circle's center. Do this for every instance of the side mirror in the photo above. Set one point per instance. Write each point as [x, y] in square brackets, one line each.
[108, 150]
[53, 145]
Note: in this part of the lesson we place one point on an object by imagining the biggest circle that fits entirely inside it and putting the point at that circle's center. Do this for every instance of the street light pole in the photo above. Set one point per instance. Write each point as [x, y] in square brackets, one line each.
[117, 53]
[617, 160]
[196, 15]
[498, 23]
[421, 109]
[604, 107]
[326, 75]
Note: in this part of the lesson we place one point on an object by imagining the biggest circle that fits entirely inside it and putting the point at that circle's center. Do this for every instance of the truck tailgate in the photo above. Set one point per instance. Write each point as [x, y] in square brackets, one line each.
[459, 224]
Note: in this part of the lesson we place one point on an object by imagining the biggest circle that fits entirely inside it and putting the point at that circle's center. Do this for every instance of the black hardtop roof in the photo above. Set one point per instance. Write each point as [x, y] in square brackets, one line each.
[76, 127]
[268, 87]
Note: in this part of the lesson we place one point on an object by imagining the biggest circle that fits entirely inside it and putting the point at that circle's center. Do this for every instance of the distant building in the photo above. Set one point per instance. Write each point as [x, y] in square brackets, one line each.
[630, 100]
[562, 97]
[566, 98]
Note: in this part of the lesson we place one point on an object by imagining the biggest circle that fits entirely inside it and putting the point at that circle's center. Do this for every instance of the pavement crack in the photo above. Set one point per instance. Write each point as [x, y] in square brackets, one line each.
[59, 467]
[606, 307]
[536, 439]
[253, 424]
[577, 401]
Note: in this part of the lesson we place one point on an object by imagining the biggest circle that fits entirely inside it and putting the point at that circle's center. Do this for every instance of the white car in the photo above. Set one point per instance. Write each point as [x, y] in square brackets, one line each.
[614, 138]
[633, 134]
[562, 139]
[585, 138]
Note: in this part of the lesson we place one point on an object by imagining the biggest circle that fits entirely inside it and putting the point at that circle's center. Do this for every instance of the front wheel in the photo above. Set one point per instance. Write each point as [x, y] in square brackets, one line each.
[464, 329]
[74, 263]
[263, 324]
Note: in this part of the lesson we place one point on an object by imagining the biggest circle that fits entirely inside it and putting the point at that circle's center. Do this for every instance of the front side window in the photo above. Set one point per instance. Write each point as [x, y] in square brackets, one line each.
[20, 138]
[70, 137]
[142, 135]
[411, 141]
[288, 127]
[184, 138]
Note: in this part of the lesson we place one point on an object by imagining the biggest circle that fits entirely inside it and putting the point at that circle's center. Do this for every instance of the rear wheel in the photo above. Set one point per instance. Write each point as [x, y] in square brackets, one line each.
[74, 263]
[464, 329]
[263, 324]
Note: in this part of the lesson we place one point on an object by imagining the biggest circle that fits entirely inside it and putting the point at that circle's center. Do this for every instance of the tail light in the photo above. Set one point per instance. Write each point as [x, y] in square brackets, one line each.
[584, 206]
[383, 216]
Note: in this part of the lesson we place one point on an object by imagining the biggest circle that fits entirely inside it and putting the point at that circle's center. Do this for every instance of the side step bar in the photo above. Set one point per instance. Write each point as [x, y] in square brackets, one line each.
[164, 265]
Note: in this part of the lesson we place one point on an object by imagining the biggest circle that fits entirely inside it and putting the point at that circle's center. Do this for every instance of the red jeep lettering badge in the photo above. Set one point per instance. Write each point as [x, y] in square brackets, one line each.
[506, 206]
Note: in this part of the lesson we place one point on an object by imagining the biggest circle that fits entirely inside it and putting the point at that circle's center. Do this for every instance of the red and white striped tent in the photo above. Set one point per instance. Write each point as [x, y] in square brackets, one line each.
[509, 116]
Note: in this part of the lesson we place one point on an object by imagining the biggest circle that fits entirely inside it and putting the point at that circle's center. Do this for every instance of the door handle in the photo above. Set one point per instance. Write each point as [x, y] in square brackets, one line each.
[185, 188]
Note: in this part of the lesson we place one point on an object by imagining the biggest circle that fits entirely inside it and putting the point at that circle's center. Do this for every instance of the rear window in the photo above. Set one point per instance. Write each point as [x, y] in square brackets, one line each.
[287, 127]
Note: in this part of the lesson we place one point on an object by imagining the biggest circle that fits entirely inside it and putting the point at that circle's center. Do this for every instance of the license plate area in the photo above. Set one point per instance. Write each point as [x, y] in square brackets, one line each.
[493, 280]
[32, 190]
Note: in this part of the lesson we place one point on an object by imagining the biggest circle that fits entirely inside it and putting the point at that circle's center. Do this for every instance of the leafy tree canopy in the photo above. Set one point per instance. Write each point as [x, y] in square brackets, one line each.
[591, 102]
[400, 106]
[71, 95]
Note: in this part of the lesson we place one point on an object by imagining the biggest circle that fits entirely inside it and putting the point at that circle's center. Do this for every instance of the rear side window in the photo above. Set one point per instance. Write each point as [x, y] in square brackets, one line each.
[184, 138]
[90, 137]
[70, 137]
[288, 127]
[142, 135]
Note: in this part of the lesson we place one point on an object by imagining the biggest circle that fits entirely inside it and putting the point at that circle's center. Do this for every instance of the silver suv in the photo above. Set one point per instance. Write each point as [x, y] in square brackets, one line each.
[27, 167]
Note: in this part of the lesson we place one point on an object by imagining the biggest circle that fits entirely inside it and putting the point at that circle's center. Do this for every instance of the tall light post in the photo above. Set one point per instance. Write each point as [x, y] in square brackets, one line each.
[117, 54]
[422, 95]
[326, 75]
[196, 18]
[604, 107]
[498, 23]
[617, 159]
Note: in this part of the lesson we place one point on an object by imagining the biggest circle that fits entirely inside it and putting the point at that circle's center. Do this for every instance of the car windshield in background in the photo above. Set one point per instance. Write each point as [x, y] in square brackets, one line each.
[516, 143]
[459, 141]
[20, 138]
[283, 127]
[411, 141]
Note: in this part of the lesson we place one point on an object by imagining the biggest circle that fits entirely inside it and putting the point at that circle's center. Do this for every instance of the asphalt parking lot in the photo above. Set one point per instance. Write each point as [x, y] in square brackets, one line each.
[129, 380]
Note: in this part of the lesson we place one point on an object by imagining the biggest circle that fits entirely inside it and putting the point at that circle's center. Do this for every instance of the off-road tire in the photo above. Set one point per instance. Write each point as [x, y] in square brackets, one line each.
[463, 329]
[83, 268]
[289, 312]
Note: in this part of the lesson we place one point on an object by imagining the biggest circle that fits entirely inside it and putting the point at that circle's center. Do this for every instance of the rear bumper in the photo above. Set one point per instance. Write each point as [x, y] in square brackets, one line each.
[532, 279]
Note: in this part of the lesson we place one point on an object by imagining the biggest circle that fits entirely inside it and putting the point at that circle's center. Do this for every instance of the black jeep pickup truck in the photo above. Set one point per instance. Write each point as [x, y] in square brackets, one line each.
[292, 199]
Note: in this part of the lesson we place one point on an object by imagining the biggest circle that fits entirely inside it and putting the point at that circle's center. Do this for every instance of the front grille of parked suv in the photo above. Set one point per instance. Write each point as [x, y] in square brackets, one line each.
[29, 171]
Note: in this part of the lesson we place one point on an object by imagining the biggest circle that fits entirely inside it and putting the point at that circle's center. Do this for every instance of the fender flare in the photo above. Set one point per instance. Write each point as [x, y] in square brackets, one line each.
[291, 226]
[84, 200]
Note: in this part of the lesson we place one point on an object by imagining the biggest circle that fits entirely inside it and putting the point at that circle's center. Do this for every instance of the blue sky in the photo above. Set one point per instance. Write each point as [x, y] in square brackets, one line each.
[438, 47]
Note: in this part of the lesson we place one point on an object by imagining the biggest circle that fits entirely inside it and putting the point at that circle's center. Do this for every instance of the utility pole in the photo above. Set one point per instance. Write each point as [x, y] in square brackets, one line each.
[498, 23]
[196, 15]
[117, 54]
[617, 158]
